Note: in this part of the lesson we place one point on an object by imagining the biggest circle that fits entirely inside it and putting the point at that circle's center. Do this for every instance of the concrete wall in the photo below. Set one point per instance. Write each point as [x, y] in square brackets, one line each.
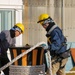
[34, 32]
[62, 11]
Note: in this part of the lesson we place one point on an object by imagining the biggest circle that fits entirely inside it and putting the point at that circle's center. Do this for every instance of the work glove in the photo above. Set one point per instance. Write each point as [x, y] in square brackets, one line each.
[45, 46]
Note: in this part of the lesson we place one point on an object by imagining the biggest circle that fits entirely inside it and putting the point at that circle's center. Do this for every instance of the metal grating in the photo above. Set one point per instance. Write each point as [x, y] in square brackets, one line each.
[27, 70]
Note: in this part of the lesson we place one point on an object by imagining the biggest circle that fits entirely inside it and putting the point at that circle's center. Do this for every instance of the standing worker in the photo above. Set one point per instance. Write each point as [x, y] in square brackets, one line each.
[7, 39]
[56, 44]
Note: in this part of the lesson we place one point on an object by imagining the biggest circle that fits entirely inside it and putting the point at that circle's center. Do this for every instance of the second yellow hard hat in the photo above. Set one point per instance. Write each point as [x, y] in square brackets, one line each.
[20, 25]
[42, 17]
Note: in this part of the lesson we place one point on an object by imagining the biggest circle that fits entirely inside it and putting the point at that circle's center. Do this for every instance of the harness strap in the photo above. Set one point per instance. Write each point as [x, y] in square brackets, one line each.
[60, 61]
[52, 29]
[57, 60]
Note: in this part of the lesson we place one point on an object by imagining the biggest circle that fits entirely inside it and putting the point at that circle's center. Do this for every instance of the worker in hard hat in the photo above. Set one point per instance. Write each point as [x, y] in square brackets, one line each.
[7, 39]
[56, 44]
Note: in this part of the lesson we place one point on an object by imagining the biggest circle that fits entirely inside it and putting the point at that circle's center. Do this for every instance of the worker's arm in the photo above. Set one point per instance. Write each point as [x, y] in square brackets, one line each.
[13, 43]
[2, 36]
[55, 41]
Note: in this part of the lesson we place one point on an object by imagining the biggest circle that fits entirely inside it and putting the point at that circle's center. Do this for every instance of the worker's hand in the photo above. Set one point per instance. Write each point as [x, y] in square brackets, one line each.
[45, 46]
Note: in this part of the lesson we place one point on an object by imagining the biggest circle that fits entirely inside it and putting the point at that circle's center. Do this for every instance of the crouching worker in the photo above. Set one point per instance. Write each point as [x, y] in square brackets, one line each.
[7, 39]
[56, 44]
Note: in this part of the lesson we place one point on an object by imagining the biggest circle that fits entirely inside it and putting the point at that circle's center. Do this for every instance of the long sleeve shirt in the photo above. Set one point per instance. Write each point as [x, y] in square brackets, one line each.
[5, 41]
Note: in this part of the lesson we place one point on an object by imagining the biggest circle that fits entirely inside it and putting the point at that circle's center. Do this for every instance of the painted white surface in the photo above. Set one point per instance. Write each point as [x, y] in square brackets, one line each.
[19, 19]
[10, 2]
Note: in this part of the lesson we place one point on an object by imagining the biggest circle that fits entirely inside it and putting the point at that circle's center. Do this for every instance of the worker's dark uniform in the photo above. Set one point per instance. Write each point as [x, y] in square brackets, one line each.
[6, 40]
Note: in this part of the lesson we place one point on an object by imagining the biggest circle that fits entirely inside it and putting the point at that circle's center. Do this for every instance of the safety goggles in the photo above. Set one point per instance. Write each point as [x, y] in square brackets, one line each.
[16, 28]
[47, 21]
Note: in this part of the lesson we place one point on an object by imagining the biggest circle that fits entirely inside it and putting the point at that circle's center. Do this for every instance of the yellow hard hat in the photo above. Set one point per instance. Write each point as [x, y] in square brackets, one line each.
[21, 26]
[43, 17]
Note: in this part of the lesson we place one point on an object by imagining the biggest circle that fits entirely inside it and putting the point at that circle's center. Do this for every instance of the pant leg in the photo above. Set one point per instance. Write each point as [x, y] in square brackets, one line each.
[3, 62]
[55, 68]
[61, 71]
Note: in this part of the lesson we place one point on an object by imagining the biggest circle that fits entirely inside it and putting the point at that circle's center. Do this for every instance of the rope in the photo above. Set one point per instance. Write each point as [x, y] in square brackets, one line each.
[48, 60]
